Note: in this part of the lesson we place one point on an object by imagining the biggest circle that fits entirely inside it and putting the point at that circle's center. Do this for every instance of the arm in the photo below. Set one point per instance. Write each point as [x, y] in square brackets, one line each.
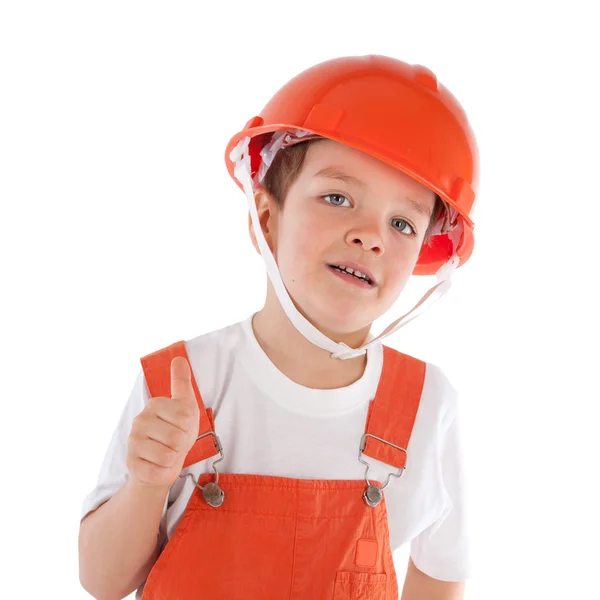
[118, 542]
[418, 586]
[443, 548]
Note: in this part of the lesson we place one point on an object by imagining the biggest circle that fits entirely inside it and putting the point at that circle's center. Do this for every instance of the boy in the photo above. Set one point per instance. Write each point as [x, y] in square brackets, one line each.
[233, 472]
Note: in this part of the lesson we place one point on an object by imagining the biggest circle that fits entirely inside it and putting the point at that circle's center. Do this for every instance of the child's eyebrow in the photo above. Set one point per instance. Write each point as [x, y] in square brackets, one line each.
[337, 174]
[334, 173]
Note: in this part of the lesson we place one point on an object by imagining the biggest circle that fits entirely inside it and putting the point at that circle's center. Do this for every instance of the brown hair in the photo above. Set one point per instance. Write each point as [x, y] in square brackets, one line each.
[287, 165]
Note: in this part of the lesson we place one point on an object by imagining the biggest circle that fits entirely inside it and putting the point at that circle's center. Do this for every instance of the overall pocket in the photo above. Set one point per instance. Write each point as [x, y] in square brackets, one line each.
[360, 586]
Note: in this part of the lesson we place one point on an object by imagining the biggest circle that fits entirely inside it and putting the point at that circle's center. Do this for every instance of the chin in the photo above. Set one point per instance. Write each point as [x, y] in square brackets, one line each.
[335, 321]
[332, 314]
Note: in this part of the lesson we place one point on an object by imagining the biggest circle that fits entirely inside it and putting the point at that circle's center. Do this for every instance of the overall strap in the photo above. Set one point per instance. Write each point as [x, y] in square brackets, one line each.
[393, 411]
[157, 370]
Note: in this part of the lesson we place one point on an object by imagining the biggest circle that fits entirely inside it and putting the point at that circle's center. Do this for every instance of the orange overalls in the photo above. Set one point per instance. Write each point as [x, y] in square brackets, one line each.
[274, 538]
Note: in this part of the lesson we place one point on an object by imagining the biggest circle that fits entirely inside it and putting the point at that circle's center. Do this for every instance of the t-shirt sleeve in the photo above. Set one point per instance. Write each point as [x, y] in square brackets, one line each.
[442, 549]
[113, 472]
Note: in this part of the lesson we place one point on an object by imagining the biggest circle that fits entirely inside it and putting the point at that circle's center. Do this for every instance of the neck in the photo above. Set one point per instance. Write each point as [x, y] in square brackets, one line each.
[299, 359]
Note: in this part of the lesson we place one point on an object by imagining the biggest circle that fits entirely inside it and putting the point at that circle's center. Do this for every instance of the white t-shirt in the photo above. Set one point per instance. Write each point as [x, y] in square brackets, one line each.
[270, 425]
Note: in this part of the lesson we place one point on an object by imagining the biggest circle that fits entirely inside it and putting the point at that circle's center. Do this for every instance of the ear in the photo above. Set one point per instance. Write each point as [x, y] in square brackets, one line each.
[268, 213]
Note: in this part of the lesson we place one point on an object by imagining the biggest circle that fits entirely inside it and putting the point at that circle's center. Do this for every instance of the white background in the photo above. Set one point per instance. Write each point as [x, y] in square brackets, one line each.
[121, 232]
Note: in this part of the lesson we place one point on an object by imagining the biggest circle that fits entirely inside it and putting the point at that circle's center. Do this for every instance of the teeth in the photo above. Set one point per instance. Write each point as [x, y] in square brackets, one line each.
[357, 274]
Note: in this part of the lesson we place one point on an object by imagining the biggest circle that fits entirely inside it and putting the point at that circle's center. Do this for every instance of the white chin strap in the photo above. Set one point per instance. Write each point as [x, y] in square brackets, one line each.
[242, 172]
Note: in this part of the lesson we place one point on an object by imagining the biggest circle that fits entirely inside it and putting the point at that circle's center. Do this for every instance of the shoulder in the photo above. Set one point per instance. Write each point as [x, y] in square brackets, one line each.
[439, 398]
[225, 338]
[215, 350]
[206, 347]
[210, 354]
[213, 357]
[438, 383]
[440, 395]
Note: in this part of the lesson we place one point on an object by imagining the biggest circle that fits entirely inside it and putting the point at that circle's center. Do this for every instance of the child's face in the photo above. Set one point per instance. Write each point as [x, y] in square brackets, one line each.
[326, 221]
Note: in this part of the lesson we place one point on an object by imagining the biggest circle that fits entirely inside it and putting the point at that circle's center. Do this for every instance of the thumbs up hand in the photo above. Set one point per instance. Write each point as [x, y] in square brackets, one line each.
[165, 431]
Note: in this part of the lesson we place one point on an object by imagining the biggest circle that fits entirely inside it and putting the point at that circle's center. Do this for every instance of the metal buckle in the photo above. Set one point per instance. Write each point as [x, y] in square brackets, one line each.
[363, 443]
[212, 493]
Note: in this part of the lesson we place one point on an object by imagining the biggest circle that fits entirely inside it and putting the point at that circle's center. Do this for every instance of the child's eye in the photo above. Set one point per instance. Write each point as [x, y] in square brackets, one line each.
[336, 201]
[402, 223]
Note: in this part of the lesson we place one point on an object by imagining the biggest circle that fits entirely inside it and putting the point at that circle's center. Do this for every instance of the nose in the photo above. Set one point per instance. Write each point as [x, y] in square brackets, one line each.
[367, 238]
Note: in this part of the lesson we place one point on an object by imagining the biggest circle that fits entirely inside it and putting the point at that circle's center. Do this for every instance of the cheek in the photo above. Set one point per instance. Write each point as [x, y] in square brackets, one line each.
[401, 268]
[301, 241]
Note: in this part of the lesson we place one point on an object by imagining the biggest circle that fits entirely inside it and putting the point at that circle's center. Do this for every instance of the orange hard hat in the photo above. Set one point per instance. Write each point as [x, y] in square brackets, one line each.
[396, 112]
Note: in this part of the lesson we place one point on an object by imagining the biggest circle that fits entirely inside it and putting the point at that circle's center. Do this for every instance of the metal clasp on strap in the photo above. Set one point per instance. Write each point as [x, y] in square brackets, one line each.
[212, 493]
[373, 494]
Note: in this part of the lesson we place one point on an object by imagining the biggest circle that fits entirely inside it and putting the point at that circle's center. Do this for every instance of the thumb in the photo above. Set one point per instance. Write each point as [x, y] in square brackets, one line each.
[181, 383]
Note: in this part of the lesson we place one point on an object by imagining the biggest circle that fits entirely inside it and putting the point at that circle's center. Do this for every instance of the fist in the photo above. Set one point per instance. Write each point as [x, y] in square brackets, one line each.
[165, 431]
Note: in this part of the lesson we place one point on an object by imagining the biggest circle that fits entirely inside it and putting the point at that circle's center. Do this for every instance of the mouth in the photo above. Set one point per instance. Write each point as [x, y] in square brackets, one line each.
[357, 276]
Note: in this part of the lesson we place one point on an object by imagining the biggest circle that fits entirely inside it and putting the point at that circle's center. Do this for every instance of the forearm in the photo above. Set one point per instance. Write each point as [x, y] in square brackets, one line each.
[118, 541]
[419, 586]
